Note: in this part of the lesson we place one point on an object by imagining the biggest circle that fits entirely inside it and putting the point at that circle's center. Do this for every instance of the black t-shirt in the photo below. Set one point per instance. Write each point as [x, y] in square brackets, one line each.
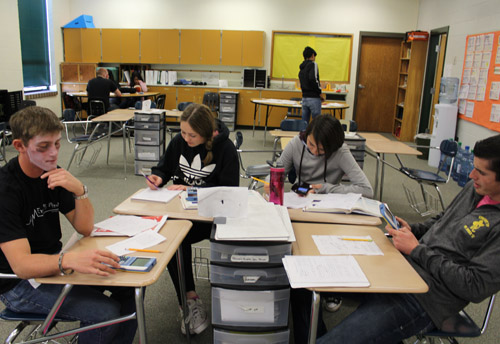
[29, 209]
[99, 88]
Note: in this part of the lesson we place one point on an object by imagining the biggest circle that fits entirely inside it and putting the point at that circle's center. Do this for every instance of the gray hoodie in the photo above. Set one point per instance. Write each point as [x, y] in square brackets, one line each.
[313, 169]
[458, 255]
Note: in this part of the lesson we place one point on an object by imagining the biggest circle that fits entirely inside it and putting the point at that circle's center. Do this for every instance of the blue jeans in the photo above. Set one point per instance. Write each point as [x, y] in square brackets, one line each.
[85, 304]
[381, 318]
[310, 106]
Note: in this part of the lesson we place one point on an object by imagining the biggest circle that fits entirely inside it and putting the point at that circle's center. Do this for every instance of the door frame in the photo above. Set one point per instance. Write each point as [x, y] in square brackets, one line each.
[363, 34]
[431, 73]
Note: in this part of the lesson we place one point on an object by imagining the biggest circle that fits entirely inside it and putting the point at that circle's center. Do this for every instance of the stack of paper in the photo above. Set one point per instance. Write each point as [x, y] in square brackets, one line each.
[350, 245]
[142, 240]
[161, 195]
[128, 225]
[324, 271]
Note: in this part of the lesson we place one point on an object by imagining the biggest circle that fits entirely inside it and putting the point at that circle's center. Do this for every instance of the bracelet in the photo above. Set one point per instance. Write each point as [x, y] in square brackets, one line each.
[61, 268]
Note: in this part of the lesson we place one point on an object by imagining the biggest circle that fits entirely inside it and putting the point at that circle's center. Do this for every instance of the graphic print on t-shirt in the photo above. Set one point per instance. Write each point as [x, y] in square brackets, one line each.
[194, 173]
[41, 211]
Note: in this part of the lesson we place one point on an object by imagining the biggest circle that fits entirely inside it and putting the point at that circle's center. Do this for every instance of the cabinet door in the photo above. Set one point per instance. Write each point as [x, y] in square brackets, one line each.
[91, 45]
[169, 46]
[187, 94]
[69, 72]
[253, 49]
[190, 46]
[111, 45]
[231, 47]
[150, 50]
[130, 46]
[210, 47]
[72, 45]
[245, 108]
[87, 72]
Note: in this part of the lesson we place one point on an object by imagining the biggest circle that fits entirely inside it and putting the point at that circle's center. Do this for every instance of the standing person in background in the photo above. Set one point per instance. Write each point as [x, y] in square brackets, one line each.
[100, 87]
[310, 85]
[202, 155]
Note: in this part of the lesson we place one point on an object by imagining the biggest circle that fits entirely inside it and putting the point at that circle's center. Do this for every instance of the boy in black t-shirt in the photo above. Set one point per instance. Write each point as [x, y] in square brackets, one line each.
[33, 191]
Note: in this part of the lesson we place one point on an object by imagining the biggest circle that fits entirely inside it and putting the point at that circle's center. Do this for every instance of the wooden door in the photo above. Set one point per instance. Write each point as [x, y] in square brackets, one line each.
[169, 46]
[130, 46]
[210, 47]
[253, 49]
[437, 77]
[150, 51]
[245, 108]
[377, 82]
[91, 45]
[111, 45]
[72, 45]
[190, 46]
[231, 47]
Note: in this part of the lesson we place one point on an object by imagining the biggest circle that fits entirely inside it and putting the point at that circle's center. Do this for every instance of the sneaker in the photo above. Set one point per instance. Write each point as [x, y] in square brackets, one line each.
[332, 304]
[198, 319]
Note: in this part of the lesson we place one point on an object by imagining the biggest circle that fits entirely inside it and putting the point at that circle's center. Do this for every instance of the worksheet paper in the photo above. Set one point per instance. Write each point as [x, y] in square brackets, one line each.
[140, 241]
[337, 245]
[162, 195]
[128, 225]
[324, 271]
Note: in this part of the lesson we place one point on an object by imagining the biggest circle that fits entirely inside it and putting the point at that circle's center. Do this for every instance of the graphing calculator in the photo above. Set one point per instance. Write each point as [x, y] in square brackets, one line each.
[388, 216]
[137, 264]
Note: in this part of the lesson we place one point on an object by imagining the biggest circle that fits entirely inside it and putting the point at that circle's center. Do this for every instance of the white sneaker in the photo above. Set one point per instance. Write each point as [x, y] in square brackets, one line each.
[198, 319]
[332, 304]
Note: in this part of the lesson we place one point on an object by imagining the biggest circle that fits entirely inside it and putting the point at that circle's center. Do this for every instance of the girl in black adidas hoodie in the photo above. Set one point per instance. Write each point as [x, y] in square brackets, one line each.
[202, 155]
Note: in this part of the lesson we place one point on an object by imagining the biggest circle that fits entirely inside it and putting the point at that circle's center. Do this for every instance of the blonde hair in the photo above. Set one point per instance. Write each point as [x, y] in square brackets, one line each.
[200, 119]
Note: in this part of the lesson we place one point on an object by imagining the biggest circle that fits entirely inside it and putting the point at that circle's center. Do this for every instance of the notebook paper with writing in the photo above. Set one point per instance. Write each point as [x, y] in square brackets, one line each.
[161, 195]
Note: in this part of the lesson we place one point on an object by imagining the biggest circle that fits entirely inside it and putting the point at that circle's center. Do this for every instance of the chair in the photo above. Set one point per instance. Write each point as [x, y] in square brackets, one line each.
[448, 149]
[160, 101]
[96, 108]
[459, 325]
[83, 138]
[211, 99]
[293, 111]
[257, 171]
[348, 125]
[25, 320]
[176, 129]
[26, 103]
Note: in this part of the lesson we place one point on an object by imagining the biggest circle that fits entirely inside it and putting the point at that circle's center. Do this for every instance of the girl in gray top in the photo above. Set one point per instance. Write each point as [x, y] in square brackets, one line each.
[321, 159]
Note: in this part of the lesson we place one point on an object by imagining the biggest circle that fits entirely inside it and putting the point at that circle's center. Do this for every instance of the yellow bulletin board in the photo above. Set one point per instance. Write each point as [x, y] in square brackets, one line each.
[479, 94]
[333, 59]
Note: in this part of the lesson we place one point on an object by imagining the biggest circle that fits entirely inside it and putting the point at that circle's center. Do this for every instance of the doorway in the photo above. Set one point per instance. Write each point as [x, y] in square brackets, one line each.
[376, 80]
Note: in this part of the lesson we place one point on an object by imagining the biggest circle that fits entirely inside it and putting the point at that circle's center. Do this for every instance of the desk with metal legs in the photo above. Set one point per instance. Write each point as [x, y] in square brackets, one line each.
[390, 273]
[174, 231]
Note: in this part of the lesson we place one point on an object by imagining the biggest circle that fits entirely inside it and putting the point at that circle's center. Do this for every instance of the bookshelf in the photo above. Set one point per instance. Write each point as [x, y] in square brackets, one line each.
[409, 89]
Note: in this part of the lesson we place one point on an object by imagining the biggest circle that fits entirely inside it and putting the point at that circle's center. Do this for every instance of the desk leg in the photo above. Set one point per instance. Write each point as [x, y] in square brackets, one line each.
[60, 299]
[265, 128]
[382, 177]
[141, 319]
[109, 140]
[377, 166]
[124, 149]
[315, 309]
[182, 287]
[254, 117]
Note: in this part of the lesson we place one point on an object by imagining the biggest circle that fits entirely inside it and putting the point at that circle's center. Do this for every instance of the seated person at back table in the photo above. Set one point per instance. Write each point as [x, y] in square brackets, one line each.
[201, 155]
[321, 158]
[457, 254]
[100, 87]
[139, 85]
[33, 191]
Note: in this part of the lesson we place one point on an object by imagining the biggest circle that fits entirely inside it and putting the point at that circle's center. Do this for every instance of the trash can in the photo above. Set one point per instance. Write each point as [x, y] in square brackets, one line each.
[423, 140]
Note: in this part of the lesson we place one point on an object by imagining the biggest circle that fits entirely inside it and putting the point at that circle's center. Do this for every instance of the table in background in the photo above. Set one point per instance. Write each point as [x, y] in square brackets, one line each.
[380, 146]
[270, 103]
[174, 231]
[390, 273]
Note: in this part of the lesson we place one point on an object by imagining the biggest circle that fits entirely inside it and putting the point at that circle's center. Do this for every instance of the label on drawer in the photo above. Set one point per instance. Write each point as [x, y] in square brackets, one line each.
[252, 309]
[250, 279]
[146, 155]
[239, 258]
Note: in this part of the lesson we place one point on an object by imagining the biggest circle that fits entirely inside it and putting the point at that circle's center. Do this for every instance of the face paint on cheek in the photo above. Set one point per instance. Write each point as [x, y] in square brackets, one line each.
[42, 160]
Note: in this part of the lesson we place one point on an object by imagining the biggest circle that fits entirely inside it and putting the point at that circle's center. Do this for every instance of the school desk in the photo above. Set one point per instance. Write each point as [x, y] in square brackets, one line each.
[270, 103]
[378, 146]
[174, 231]
[298, 215]
[390, 273]
[173, 209]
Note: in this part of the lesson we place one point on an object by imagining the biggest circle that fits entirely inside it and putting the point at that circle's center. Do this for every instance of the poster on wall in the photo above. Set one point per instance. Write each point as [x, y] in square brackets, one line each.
[479, 93]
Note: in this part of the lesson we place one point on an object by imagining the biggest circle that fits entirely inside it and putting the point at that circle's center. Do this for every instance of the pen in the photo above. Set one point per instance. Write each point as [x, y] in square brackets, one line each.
[141, 250]
[260, 180]
[356, 239]
[149, 180]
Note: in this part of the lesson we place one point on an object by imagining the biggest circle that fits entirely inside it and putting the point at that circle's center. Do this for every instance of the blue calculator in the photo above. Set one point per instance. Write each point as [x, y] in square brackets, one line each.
[388, 216]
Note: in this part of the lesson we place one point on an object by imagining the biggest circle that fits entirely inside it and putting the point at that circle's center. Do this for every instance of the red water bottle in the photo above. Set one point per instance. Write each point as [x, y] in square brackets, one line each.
[277, 184]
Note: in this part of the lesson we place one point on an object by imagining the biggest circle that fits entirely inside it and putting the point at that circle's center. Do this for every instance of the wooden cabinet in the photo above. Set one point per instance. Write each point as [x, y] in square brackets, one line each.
[78, 72]
[409, 89]
[210, 47]
[150, 46]
[82, 45]
[193, 94]
[190, 46]
[231, 48]
[245, 107]
[120, 45]
[252, 49]
[159, 46]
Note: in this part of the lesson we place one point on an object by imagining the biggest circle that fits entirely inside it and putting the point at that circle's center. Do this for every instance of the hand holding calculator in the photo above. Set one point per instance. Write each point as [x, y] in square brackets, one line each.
[388, 216]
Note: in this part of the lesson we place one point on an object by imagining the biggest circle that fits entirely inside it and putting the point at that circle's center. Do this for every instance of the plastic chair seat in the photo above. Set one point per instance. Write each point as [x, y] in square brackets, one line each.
[424, 176]
[459, 325]
[9, 315]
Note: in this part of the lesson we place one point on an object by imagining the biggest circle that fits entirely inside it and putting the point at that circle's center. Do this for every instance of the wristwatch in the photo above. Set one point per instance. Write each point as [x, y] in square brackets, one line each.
[85, 193]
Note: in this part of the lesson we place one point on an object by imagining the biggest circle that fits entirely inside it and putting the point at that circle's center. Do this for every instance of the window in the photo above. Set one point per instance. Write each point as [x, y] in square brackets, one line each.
[35, 44]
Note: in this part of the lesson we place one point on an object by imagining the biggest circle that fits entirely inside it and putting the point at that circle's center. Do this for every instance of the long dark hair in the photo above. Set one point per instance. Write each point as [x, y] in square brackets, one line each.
[200, 119]
[132, 77]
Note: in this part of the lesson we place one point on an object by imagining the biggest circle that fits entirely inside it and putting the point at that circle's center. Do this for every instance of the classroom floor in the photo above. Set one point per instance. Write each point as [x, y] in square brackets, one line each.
[108, 187]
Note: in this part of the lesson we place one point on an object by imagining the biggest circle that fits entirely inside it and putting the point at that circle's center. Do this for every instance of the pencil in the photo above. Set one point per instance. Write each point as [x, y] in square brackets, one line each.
[149, 180]
[356, 239]
[260, 180]
[141, 250]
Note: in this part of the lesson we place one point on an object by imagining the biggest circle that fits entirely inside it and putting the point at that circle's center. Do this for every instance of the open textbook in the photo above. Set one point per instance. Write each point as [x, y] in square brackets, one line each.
[334, 203]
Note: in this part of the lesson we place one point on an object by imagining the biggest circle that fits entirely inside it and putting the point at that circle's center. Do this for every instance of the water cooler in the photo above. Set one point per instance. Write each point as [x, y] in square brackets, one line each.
[445, 117]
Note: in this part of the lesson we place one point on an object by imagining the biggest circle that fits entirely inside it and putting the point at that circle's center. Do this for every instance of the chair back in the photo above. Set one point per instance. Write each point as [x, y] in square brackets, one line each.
[449, 147]
[293, 125]
[238, 141]
[211, 99]
[183, 105]
[294, 111]
[26, 103]
[160, 101]
[96, 108]
[71, 102]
